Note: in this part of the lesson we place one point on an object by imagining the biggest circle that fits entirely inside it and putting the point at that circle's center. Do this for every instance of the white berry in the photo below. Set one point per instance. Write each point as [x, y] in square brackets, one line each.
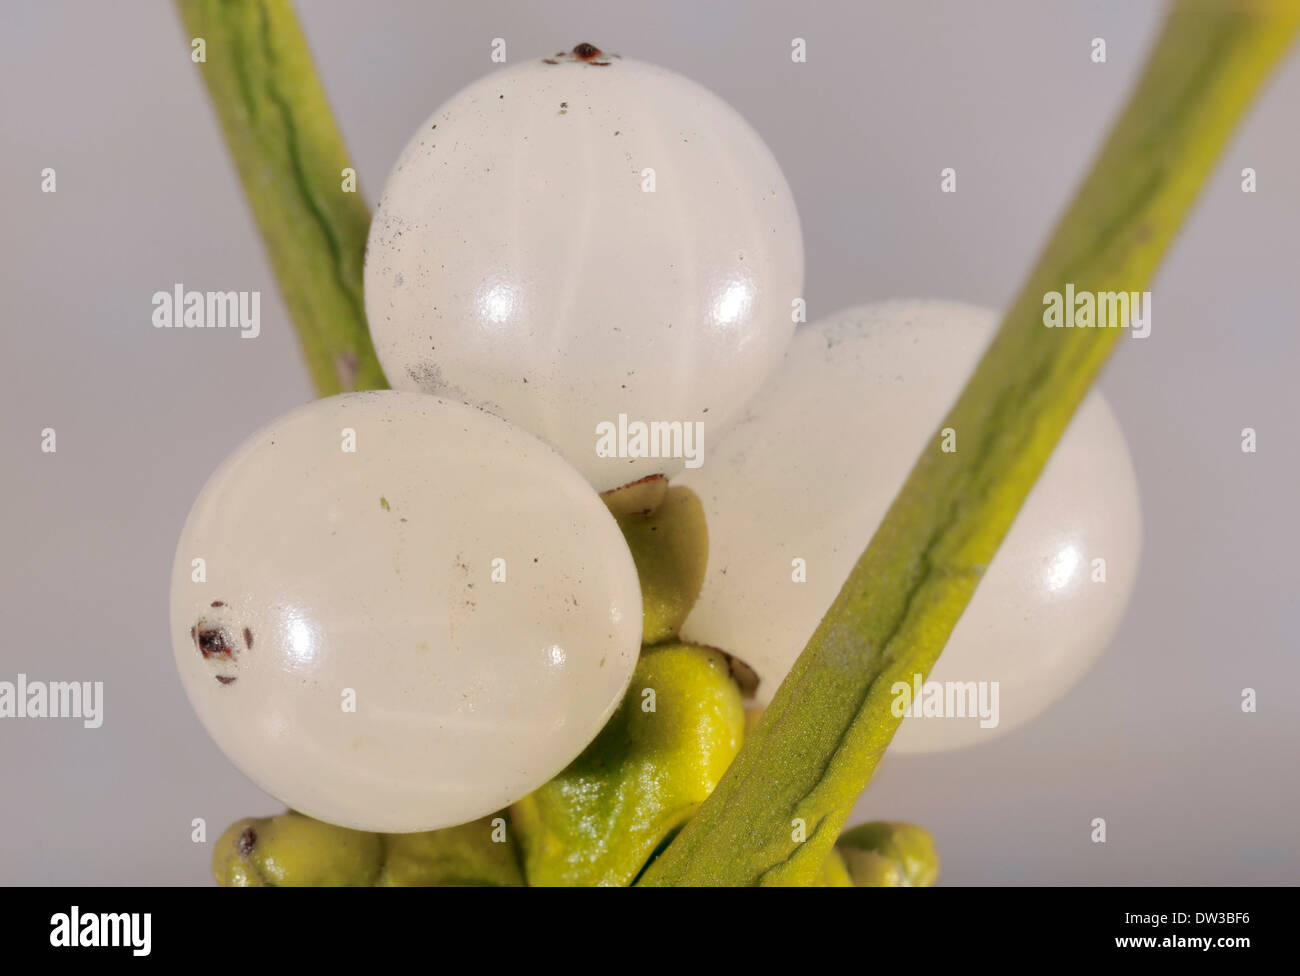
[824, 449]
[409, 634]
[561, 243]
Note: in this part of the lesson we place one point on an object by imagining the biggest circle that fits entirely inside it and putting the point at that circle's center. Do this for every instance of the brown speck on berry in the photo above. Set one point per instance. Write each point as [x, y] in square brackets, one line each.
[246, 842]
[213, 641]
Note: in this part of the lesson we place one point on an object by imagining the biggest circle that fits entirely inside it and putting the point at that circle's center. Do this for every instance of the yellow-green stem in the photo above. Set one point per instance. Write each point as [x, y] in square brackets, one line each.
[799, 775]
[291, 161]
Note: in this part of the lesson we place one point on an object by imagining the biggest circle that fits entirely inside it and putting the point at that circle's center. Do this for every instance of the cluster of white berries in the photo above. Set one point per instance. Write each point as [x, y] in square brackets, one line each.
[415, 608]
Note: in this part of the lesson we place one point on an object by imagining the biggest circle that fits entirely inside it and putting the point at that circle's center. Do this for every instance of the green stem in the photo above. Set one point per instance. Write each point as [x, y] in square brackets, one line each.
[831, 720]
[290, 157]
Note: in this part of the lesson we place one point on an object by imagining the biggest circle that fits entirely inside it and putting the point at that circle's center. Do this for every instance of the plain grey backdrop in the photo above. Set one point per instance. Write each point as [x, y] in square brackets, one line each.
[1154, 739]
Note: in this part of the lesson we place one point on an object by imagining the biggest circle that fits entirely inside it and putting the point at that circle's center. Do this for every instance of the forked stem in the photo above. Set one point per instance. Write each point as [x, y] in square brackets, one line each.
[830, 722]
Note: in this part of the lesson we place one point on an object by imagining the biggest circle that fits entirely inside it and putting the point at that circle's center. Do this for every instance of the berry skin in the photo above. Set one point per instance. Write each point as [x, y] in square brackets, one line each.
[409, 635]
[822, 452]
[519, 261]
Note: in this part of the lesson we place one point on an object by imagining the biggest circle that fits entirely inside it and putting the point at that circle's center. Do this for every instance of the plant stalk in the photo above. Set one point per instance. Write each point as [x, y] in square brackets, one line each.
[800, 773]
[291, 161]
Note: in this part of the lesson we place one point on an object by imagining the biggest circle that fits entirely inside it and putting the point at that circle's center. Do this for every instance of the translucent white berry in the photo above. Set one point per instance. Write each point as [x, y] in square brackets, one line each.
[581, 237]
[825, 447]
[398, 613]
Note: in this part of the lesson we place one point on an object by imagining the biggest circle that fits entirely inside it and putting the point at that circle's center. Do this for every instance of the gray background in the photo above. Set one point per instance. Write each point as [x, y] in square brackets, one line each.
[1153, 740]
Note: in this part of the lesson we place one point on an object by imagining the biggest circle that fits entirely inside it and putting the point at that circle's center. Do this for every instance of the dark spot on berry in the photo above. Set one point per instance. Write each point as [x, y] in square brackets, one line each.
[248, 638]
[225, 679]
[247, 841]
[218, 603]
[586, 51]
[213, 641]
